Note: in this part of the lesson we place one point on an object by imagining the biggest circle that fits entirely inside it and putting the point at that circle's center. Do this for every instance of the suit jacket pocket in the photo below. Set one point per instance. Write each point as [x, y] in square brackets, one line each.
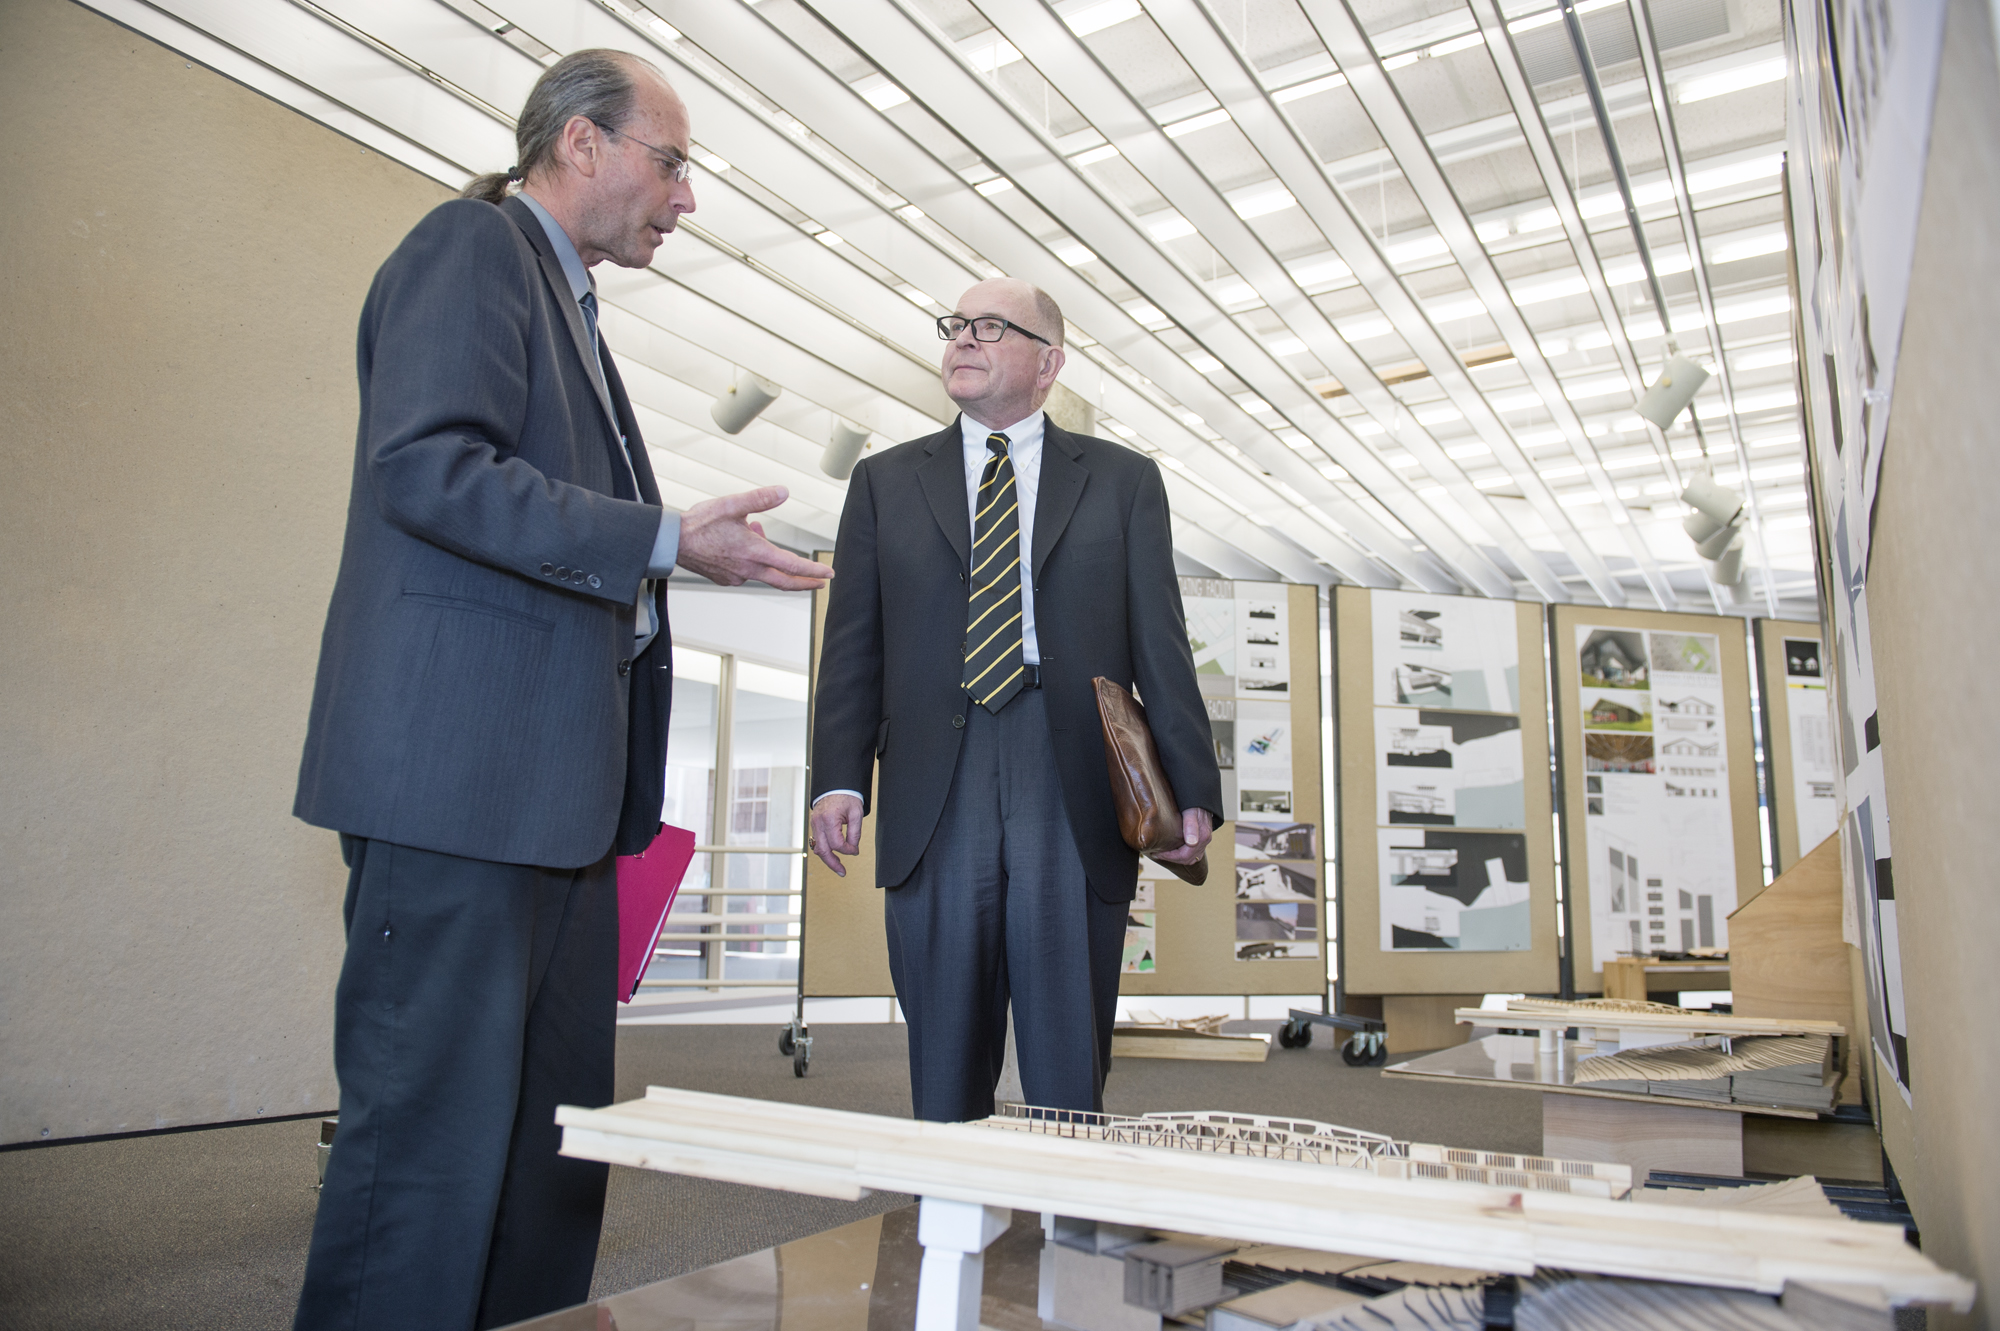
[443, 602]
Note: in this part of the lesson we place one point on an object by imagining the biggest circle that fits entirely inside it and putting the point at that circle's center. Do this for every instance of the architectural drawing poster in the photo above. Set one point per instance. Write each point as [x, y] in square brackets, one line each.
[1661, 854]
[1210, 607]
[1815, 807]
[1263, 760]
[1450, 798]
[1860, 92]
[1263, 646]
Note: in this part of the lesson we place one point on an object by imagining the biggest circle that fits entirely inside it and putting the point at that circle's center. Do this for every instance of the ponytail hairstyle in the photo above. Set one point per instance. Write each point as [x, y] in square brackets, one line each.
[596, 84]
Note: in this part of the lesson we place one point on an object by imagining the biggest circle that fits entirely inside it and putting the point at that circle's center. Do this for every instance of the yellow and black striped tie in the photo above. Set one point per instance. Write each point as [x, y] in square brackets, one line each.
[993, 669]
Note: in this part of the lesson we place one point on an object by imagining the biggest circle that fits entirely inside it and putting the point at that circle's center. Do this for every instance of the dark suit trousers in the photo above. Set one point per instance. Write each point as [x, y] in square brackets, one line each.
[998, 910]
[475, 997]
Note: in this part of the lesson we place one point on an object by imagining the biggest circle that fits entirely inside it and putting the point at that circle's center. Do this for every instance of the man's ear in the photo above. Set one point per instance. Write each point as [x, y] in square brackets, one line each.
[582, 145]
[1052, 363]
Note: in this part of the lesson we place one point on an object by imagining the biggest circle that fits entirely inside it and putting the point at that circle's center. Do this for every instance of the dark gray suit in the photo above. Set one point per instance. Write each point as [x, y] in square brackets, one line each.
[955, 782]
[481, 735]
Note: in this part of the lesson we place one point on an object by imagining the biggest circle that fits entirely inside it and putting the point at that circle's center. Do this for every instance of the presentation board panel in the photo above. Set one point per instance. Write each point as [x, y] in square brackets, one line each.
[1257, 926]
[1657, 760]
[1798, 739]
[1447, 877]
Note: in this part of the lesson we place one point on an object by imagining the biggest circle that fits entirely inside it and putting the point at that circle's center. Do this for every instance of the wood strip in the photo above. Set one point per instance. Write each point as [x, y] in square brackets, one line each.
[830, 1152]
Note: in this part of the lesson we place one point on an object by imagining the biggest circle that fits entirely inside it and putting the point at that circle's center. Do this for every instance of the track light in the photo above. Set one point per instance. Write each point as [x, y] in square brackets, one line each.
[1716, 526]
[1718, 503]
[743, 402]
[1672, 391]
[1729, 562]
[843, 449]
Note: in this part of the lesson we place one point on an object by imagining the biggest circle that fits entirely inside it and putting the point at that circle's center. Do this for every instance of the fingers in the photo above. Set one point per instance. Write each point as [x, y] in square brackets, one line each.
[828, 858]
[751, 501]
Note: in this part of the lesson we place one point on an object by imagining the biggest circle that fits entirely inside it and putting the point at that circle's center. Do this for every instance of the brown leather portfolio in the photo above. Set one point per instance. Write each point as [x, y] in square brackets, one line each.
[1148, 817]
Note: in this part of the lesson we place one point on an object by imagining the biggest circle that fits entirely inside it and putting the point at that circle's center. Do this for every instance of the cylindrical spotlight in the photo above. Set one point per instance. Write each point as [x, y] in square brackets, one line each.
[1672, 391]
[742, 403]
[1719, 502]
[1699, 526]
[843, 449]
[1713, 545]
[1729, 564]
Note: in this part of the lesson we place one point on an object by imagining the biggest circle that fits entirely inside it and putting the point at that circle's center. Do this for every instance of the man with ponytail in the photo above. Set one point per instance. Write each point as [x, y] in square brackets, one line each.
[489, 723]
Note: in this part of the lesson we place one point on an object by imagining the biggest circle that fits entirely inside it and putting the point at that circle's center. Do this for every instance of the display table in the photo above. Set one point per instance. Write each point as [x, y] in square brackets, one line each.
[1646, 1132]
[852, 1278]
[1631, 977]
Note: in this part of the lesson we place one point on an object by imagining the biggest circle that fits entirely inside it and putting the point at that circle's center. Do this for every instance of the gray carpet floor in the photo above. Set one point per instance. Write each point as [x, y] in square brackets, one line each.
[209, 1229]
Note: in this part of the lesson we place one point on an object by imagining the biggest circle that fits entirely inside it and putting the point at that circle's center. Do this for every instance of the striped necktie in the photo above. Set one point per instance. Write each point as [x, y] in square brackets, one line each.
[993, 669]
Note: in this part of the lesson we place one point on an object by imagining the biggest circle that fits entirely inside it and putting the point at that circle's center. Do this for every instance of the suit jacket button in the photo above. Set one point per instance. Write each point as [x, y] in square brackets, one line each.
[625, 666]
[576, 575]
[595, 581]
[548, 570]
[958, 722]
[563, 572]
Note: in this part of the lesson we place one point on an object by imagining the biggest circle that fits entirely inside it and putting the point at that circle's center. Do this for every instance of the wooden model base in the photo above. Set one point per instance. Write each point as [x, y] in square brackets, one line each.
[1644, 1136]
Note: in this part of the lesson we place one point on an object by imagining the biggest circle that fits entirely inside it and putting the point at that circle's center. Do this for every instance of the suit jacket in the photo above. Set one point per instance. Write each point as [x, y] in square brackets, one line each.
[476, 691]
[1107, 602]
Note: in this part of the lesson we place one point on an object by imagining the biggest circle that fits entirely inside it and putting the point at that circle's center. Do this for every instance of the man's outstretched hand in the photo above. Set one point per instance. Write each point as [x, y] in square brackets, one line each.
[719, 541]
[1197, 826]
[836, 830]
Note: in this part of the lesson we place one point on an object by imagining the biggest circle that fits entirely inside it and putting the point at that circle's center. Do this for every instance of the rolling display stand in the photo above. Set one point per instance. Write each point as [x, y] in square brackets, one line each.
[1366, 1044]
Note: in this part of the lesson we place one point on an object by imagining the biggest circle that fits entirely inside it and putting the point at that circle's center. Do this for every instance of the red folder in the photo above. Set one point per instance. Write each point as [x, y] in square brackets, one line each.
[647, 883]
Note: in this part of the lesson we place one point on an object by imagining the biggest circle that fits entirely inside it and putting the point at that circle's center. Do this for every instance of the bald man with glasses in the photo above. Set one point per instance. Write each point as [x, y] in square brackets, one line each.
[986, 574]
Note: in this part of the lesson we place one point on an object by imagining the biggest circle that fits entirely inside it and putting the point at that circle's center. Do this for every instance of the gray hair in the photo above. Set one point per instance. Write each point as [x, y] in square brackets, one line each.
[1050, 315]
[597, 84]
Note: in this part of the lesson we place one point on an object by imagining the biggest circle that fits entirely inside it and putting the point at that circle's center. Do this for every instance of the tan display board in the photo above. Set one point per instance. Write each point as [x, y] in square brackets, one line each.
[1802, 797]
[1660, 814]
[1193, 942]
[1444, 796]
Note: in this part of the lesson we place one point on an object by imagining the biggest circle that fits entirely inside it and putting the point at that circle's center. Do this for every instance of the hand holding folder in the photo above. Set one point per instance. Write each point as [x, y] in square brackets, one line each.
[647, 885]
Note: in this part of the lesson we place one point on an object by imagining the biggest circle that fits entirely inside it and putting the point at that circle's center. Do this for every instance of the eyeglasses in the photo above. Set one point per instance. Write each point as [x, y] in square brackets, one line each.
[986, 328]
[671, 162]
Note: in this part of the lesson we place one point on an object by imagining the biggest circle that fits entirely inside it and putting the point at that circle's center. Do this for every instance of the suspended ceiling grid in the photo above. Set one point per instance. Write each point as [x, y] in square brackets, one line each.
[1356, 274]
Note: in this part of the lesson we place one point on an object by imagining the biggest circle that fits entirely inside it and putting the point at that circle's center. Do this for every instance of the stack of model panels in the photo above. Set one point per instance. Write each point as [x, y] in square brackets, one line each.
[1788, 1071]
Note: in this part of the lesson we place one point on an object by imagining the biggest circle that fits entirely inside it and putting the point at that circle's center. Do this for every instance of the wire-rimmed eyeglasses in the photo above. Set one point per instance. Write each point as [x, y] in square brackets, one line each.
[986, 328]
[669, 161]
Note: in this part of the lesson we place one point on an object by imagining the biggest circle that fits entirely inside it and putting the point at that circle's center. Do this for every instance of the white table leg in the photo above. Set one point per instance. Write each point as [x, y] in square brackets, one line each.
[955, 1236]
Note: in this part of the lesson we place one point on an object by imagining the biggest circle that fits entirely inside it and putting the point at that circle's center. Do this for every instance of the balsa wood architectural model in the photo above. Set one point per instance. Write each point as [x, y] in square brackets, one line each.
[976, 1174]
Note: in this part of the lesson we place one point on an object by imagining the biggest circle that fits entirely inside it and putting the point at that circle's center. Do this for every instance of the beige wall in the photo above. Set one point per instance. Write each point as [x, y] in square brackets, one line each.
[183, 265]
[1931, 598]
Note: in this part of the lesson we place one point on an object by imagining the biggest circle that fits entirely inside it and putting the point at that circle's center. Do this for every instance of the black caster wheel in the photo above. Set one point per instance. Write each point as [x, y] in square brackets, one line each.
[1379, 1056]
[1294, 1035]
[801, 1059]
[785, 1042]
[1356, 1053]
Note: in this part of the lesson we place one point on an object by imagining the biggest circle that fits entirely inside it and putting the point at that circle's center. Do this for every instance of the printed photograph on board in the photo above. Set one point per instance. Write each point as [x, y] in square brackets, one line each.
[1445, 651]
[1617, 709]
[1262, 737]
[1448, 769]
[1275, 880]
[1454, 891]
[1263, 658]
[1618, 753]
[1210, 607]
[1614, 659]
[1275, 950]
[1276, 841]
[1277, 922]
[1815, 804]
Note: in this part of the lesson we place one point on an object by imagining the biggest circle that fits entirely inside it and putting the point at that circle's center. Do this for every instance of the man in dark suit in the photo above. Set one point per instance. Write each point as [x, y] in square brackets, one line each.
[987, 573]
[489, 723]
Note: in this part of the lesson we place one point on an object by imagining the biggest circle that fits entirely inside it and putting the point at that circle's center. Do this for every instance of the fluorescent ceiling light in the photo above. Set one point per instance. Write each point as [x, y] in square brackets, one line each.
[667, 31]
[1763, 358]
[1549, 16]
[1578, 498]
[1538, 219]
[1524, 399]
[1736, 173]
[1456, 307]
[988, 51]
[1260, 200]
[1731, 80]
[1167, 225]
[1401, 462]
[1364, 428]
[1403, 61]
[1559, 473]
[1203, 362]
[1285, 346]
[1493, 482]
[1465, 43]
[883, 94]
[1122, 431]
[1751, 307]
[1489, 232]
[1464, 451]
[914, 296]
[1442, 414]
[1253, 404]
[1548, 287]
[1749, 246]
[1086, 19]
[1536, 438]
[1327, 83]
[909, 212]
[1421, 247]
[1190, 418]
[1103, 152]
[1360, 330]
[1582, 390]
[1234, 291]
[1666, 265]
[1149, 315]
[1070, 252]
[1193, 123]
[997, 185]
[1313, 272]
[713, 164]
[828, 239]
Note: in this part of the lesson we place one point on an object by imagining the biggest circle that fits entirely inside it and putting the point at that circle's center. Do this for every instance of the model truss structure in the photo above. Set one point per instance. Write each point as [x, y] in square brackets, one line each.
[1312, 1142]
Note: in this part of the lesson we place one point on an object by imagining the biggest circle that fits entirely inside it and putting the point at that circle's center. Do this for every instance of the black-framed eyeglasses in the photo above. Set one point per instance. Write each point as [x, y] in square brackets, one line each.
[986, 328]
[675, 164]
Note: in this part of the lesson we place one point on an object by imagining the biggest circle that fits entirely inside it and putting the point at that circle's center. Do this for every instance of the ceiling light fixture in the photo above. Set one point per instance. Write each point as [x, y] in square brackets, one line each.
[843, 449]
[742, 402]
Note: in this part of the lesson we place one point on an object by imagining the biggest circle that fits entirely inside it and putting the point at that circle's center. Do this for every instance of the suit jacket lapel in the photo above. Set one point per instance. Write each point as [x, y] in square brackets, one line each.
[552, 273]
[942, 475]
[1063, 479]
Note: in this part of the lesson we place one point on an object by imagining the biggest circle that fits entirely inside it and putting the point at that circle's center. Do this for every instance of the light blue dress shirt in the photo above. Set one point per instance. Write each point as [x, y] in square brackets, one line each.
[666, 545]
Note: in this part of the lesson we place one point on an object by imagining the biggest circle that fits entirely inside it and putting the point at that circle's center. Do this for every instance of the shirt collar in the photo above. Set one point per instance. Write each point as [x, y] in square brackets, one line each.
[1025, 433]
[565, 248]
